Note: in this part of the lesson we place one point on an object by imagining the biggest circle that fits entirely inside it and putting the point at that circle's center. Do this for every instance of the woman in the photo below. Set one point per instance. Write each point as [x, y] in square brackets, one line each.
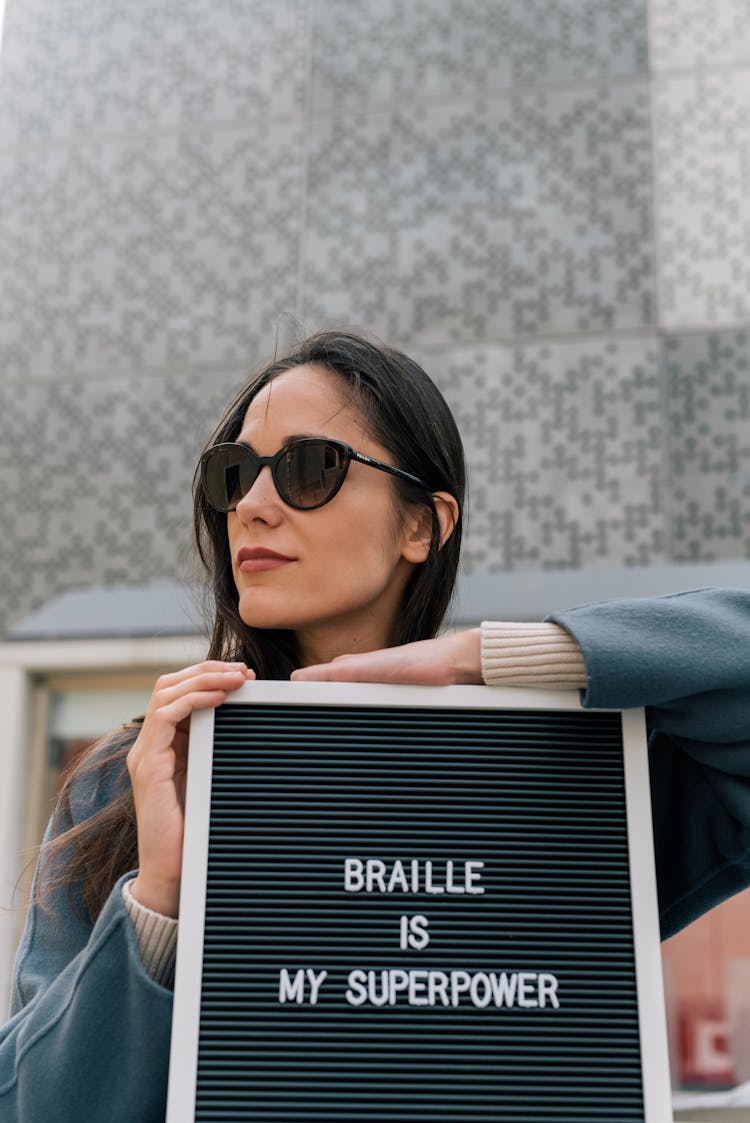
[328, 513]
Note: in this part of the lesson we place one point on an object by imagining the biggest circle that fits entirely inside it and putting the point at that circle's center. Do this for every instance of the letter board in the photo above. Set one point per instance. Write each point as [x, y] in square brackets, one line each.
[417, 904]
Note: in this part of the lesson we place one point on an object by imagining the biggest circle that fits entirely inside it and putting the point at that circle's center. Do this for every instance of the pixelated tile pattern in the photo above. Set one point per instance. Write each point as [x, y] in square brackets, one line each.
[409, 49]
[574, 40]
[478, 220]
[349, 241]
[702, 196]
[708, 379]
[101, 493]
[132, 255]
[352, 52]
[74, 66]
[565, 451]
[694, 33]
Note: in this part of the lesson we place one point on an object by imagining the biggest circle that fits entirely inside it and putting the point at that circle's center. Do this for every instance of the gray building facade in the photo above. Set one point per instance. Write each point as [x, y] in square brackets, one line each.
[547, 202]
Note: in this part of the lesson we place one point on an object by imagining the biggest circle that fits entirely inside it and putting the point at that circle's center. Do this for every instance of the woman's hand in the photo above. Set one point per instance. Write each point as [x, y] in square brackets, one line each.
[430, 662]
[157, 764]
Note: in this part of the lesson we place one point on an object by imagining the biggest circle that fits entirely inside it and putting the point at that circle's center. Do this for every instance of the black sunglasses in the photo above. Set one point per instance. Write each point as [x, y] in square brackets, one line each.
[307, 472]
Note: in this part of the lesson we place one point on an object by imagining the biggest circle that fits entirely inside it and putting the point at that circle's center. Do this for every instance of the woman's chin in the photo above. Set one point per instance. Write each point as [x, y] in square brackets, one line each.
[257, 611]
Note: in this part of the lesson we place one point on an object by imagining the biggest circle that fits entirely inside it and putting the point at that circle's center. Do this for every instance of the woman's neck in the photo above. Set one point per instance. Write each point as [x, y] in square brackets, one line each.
[323, 645]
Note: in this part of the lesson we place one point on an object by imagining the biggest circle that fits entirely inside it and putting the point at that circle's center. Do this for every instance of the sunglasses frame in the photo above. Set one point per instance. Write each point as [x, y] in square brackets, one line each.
[273, 462]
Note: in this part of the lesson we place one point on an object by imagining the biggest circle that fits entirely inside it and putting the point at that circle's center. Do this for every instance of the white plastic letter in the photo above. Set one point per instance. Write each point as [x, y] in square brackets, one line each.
[437, 987]
[417, 985]
[375, 874]
[450, 885]
[397, 880]
[526, 989]
[357, 992]
[419, 937]
[291, 991]
[316, 982]
[398, 980]
[548, 989]
[429, 886]
[504, 988]
[460, 982]
[404, 927]
[485, 997]
[472, 876]
[353, 879]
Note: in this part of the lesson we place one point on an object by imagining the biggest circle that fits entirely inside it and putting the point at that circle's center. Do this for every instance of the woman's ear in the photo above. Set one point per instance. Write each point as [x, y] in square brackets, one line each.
[418, 535]
[446, 506]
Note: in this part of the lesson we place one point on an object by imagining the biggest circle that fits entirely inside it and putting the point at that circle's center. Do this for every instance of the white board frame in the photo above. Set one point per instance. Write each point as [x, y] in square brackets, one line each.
[188, 972]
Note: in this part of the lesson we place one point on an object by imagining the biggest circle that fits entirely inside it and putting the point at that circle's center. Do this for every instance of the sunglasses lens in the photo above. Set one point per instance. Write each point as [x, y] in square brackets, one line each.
[307, 473]
[311, 472]
[227, 474]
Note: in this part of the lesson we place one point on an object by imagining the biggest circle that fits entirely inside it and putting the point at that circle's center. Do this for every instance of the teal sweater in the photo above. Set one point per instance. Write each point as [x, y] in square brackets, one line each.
[88, 1039]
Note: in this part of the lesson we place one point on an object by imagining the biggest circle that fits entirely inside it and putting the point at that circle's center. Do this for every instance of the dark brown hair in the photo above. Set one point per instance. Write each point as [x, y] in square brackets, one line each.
[405, 412]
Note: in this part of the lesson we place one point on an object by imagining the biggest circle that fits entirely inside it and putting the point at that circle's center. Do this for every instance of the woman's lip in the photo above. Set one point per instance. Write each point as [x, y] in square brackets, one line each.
[263, 562]
[256, 559]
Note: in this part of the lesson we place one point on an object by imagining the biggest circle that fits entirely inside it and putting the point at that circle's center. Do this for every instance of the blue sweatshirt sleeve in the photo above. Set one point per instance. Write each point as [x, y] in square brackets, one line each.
[686, 659]
[89, 1032]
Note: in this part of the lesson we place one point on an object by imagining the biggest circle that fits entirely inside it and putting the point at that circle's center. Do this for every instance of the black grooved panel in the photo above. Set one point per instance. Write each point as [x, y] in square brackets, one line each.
[538, 796]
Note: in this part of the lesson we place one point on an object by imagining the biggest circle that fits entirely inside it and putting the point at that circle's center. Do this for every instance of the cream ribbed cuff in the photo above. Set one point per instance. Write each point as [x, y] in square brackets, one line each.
[521, 654]
[156, 936]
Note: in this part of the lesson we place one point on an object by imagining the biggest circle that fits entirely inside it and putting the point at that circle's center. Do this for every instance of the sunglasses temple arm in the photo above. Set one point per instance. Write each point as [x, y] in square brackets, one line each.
[390, 469]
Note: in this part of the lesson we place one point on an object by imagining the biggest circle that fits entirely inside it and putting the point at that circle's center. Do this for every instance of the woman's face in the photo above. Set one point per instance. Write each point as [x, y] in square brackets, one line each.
[344, 566]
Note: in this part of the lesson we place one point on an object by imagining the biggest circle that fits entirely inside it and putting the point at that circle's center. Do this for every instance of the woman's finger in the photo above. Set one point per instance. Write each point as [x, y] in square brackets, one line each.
[198, 668]
[229, 678]
[174, 679]
[174, 712]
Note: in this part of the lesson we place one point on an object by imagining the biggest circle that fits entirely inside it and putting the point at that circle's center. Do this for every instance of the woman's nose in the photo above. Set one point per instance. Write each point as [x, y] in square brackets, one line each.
[262, 500]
